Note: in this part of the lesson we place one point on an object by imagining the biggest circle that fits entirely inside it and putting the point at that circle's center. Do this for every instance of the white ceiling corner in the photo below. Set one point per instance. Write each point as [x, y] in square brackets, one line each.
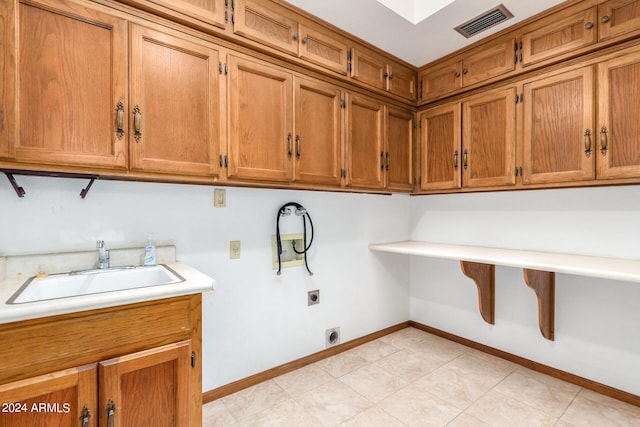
[415, 11]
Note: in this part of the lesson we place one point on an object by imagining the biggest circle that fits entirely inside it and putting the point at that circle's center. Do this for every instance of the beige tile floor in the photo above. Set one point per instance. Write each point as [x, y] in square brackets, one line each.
[412, 378]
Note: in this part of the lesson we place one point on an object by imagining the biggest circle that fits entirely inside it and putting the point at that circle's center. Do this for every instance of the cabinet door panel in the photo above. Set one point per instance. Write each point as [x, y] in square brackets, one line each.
[620, 16]
[440, 80]
[618, 124]
[208, 11]
[255, 22]
[440, 148]
[319, 133]
[368, 68]
[55, 399]
[365, 143]
[560, 37]
[558, 110]
[175, 86]
[399, 143]
[489, 138]
[490, 62]
[156, 380]
[72, 74]
[321, 49]
[260, 121]
[402, 81]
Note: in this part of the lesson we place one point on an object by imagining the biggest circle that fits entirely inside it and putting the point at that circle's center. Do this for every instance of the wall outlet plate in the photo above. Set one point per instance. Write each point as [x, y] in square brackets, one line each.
[332, 337]
[219, 198]
[288, 258]
[234, 249]
[313, 297]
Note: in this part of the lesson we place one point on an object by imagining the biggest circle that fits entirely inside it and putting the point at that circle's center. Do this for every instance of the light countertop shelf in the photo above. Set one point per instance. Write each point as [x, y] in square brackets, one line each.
[581, 265]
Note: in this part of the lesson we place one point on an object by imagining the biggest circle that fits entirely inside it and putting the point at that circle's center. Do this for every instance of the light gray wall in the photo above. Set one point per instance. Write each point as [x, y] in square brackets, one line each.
[596, 320]
[255, 320]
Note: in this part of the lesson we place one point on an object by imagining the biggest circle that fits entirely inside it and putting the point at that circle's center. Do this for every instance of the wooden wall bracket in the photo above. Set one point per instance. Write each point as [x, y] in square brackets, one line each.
[543, 283]
[484, 277]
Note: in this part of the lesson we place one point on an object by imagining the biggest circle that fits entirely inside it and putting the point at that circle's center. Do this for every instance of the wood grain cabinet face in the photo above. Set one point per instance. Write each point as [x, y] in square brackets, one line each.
[440, 148]
[401, 81]
[398, 163]
[489, 139]
[67, 392]
[618, 17]
[265, 25]
[174, 118]
[323, 49]
[559, 37]
[440, 80]
[365, 143]
[377, 72]
[560, 142]
[618, 128]
[72, 77]
[260, 114]
[319, 133]
[211, 12]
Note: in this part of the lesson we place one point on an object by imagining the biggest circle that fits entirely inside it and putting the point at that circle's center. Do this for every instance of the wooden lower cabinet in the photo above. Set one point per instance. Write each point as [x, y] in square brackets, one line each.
[559, 139]
[134, 365]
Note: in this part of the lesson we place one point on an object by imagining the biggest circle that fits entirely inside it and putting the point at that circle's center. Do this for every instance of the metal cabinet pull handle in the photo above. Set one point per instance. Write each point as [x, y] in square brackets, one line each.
[455, 160]
[587, 142]
[305, 40]
[290, 142]
[298, 151]
[465, 71]
[137, 123]
[387, 157]
[84, 416]
[465, 158]
[120, 119]
[382, 160]
[296, 36]
[456, 74]
[588, 25]
[604, 19]
[111, 410]
[603, 140]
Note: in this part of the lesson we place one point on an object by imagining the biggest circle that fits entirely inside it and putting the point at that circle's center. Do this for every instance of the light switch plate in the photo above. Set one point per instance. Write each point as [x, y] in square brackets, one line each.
[219, 198]
[234, 249]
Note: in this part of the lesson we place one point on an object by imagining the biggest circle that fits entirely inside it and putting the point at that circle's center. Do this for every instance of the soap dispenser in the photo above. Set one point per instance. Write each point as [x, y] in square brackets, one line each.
[149, 253]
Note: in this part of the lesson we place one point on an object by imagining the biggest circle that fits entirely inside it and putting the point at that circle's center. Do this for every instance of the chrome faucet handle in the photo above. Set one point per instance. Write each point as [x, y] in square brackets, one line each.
[100, 244]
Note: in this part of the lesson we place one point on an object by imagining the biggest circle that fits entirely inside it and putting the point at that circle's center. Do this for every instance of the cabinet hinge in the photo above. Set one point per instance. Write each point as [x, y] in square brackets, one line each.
[343, 173]
[349, 55]
[349, 67]
[226, 17]
[420, 95]
[193, 359]
[233, 19]
[343, 103]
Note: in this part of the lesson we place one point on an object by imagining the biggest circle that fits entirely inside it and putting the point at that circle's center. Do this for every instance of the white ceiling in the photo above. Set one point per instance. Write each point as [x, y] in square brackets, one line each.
[424, 42]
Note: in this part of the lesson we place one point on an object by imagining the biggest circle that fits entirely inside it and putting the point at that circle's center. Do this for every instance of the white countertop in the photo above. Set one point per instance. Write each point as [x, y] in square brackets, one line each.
[195, 282]
[581, 265]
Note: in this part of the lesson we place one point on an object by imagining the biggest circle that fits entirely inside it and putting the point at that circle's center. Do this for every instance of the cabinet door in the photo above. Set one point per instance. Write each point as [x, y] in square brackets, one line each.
[618, 17]
[618, 139]
[8, 99]
[368, 68]
[260, 121]
[148, 388]
[558, 143]
[399, 143]
[322, 49]
[401, 81]
[56, 399]
[267, 26]
[559, 37]
[208, 11]
[319, 130]
[72, 77]
[174, 104]
[489, 62]
[440, 139]
[489, 139]
[440, 80]
[365, 143]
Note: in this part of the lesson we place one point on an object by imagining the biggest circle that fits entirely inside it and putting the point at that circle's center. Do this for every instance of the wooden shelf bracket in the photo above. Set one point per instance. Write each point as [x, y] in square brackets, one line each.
[543, 283]
[484, 277]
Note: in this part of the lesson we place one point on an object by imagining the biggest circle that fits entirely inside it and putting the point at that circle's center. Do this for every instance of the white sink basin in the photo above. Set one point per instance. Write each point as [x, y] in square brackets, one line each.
[73, 284]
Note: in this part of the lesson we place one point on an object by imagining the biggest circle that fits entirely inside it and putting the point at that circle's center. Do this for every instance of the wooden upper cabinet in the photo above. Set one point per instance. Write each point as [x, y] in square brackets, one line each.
[376, 71]
[618, 18]
[617, 142]
[67, 392]
[319, 132]
[148, 388]
[323, 49]
[72, 79]
[560, 142]
[210, 12]
[269, 26]
[559, 37]
[365, 142]
[440, 147]
[479, 65]
[399, 125]
[489, 139]
[174, 118]
[260, 117]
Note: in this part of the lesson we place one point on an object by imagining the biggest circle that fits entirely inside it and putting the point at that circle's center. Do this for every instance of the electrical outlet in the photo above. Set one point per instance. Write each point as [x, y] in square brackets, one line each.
[313, 297]
[234, 249]
[219, 198]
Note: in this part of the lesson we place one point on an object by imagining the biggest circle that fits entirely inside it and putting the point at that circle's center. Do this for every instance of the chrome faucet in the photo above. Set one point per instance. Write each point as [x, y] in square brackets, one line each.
[103, 255]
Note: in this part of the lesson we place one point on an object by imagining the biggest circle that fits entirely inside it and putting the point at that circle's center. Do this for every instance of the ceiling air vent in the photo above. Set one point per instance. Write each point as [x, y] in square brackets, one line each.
[484, 21]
